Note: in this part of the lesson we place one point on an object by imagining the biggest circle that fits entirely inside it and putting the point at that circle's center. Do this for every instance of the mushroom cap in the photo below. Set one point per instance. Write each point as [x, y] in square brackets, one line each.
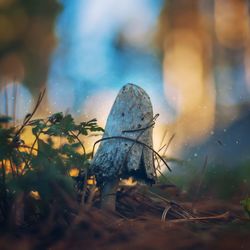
[131, 117]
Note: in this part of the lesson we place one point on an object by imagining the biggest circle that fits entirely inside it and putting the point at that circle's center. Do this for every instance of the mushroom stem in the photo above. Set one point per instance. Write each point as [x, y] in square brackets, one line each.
[108, 195]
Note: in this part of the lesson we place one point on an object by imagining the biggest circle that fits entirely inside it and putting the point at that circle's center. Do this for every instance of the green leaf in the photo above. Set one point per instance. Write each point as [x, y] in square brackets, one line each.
[40, 125]
[57, 117]
[62, 127]
[6, 142]
[246, 205]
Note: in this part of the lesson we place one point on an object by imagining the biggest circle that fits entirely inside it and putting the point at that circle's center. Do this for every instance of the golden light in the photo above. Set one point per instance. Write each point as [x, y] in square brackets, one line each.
[74, 172]
[7, 166]
[28, 137]
[91, 181]
[188, 86]
[183, 69]
[231, 22]
[35, 195]
[128, 182]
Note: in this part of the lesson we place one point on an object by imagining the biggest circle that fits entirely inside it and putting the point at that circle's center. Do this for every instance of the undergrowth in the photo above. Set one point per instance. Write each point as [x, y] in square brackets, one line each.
[35, 177]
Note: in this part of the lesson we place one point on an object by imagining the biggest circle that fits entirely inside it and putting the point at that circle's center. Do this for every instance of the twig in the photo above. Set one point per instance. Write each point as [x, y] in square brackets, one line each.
[201, 180]
[77, 138]
[224, 216]
[173, 203]
[160, 197]
[26, 146]
[169, 142]
[34, 143]
[15, 102]
[164, 214]
[149, 125]
[133, 140]
[139, 129]
[26, 121]
[162, 140]
[12, 168]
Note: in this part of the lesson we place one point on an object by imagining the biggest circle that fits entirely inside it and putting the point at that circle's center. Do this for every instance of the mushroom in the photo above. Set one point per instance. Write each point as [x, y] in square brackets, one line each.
[126, 147]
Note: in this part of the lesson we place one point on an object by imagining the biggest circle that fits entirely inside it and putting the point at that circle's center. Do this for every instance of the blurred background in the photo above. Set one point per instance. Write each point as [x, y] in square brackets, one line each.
[192, 57]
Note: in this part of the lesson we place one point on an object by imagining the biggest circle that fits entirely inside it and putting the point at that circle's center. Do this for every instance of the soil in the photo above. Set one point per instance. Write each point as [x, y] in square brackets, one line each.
[145, 218]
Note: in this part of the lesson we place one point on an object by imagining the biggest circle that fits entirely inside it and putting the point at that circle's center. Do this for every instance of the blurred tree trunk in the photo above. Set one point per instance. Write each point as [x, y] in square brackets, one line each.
[27, 39]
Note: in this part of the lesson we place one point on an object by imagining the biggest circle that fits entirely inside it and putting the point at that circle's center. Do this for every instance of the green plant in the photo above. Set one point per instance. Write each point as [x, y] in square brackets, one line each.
[41, 168]
[246, 205]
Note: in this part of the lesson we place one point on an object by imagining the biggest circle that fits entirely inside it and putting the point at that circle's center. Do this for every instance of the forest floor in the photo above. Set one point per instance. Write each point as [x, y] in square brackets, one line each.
[146, 218]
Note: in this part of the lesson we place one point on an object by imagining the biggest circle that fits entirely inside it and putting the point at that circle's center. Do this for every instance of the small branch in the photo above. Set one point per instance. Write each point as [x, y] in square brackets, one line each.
[26, 146]
[139, 129]
[165, 212]
[33, 145]
[169, 142]
[162, 140]
[26, 121]
[224, 216]
[184, 214]
[15, 89]
[77, 138]
[133, 140]
[12, 168]
[201, 180]
[149, 125]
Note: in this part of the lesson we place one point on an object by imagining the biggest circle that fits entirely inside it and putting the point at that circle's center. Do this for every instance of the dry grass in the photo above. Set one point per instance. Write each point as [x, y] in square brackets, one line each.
[138, 224]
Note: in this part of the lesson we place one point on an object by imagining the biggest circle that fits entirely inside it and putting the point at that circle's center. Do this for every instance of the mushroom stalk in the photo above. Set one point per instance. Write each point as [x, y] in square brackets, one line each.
[108, 195]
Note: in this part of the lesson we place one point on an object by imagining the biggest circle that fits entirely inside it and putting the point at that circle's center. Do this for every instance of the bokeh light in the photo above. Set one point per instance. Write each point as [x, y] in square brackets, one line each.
[15, 101]
[192, 58]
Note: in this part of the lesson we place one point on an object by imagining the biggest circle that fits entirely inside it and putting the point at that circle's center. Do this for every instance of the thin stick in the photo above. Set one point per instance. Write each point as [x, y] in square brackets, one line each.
[201, 180]
[77, 138]
[15, 102]
[165, 212]
[28, 147]
[26, 121]
[169, 142]
[166, 145]
[34, 142]
[172, 203]
[224, 216]
[162, 148]
[133, 140]
[139, 129]
[138, 137]
[158, 165]
[162, 140]
[12, 169]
